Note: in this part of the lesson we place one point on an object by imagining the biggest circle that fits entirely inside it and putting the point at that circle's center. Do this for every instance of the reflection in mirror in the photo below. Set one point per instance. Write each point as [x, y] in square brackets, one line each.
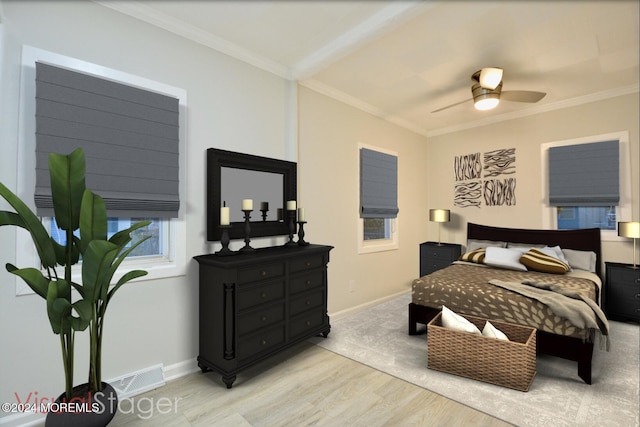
[261, 187]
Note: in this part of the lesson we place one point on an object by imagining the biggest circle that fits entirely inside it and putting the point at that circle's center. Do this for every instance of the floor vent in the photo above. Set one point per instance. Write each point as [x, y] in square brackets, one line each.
[138, 382]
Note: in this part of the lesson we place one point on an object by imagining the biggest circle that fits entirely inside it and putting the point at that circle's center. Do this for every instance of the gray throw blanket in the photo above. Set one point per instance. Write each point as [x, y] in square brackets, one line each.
[581, 312]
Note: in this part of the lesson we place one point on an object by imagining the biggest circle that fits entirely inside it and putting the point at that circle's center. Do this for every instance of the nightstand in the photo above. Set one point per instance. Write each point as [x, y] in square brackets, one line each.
[622, 291]
[434, 256]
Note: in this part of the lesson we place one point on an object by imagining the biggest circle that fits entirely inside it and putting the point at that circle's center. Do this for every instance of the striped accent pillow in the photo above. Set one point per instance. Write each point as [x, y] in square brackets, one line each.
[476, 256]
[539, 261]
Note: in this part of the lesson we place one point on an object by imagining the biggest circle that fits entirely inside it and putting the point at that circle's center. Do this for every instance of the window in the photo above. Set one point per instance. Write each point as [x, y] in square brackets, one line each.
[588, 183]
[378, 175]
[164, 255]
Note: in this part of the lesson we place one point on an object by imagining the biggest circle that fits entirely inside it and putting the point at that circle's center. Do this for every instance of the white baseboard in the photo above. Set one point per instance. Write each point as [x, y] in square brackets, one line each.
[180, 369]
[353, 310]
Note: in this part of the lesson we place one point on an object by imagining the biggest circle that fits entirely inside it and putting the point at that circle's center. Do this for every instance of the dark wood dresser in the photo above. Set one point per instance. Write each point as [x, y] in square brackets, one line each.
[254, 305]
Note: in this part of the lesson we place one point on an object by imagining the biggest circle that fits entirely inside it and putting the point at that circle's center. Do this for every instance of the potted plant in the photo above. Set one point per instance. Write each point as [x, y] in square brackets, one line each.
[76, 209]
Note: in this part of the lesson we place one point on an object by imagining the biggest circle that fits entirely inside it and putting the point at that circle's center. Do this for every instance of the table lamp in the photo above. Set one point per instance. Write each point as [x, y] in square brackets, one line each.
[630, 230]
[439, 216]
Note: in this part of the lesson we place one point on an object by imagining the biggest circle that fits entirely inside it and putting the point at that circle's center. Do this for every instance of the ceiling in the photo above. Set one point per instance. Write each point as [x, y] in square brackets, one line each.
[403, 59]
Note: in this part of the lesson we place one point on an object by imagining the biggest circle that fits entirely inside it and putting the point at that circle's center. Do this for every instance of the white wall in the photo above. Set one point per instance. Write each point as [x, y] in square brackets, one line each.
[527, 135]
[231, 105]
[329, 133]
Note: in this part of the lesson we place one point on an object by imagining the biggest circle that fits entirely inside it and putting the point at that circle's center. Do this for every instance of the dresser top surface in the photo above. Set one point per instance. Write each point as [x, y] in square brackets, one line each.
[261, 255]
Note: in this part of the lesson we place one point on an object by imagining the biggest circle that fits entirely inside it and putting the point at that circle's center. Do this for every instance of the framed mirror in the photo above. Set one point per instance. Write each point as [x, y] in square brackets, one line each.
[232, 177]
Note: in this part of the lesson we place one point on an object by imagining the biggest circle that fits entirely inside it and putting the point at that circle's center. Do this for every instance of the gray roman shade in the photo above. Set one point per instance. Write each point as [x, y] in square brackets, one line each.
[584, 174]
[129, 136]
[378, 184]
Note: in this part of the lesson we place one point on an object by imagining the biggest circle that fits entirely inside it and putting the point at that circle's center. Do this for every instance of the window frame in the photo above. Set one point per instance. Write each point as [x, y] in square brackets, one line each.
[376, 245]
[624, 208]
[171, 264]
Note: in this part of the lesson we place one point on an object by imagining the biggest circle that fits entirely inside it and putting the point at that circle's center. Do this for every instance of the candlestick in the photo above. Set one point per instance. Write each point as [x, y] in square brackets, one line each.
[301, 241]
[292, 226]
[224, 240]
[247, 231]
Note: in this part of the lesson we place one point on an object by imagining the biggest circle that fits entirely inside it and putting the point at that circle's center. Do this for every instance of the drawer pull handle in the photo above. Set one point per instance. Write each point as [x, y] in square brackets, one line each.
[308, 322]
[263, 342]
[308, 263]
[263, 295]
[637, 280]
[307, 302]
[263, 273]
[264, 318]
[637, 296]
[308, 282]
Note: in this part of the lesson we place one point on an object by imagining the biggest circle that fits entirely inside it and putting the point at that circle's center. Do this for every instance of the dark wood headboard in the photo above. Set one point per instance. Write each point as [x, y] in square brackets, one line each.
[585, 239]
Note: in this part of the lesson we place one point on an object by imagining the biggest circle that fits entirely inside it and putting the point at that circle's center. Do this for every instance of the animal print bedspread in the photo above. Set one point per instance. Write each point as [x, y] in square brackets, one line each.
[465, 288]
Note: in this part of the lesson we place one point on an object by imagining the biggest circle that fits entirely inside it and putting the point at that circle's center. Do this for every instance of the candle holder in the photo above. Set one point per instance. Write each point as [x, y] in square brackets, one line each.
[224, 240]
[264, 214]
[247, 232]
[292, 228]
[301, 241]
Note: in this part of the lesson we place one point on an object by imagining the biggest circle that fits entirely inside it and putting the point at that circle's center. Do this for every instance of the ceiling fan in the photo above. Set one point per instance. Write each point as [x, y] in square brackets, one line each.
[487, 91]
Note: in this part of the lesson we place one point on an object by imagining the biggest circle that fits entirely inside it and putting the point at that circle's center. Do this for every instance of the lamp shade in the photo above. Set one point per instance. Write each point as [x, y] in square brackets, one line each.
[629, 229]
[439, 215]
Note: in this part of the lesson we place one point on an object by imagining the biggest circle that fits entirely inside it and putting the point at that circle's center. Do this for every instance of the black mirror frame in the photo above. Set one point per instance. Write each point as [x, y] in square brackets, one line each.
[217, 159]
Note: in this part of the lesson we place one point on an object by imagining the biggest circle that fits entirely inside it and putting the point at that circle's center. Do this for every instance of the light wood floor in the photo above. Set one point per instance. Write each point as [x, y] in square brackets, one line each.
[307, 385]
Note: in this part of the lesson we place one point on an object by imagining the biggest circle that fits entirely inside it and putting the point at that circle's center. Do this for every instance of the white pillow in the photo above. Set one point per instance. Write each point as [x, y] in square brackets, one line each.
[581, 260]
[454, 321]
[492, 332]
[505, 258]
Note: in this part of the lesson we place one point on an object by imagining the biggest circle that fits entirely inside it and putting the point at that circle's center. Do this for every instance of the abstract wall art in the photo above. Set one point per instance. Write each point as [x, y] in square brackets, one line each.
[482, 177]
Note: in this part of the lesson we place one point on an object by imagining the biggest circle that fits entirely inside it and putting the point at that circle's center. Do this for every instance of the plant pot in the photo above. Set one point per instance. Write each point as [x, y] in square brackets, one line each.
[85, 408]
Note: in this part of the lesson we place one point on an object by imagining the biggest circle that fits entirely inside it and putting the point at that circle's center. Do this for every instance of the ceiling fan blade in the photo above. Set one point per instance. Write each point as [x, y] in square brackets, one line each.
[452, 105]
[522, 95]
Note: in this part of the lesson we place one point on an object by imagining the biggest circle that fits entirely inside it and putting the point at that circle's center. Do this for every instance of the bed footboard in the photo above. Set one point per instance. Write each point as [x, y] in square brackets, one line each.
[568, 348]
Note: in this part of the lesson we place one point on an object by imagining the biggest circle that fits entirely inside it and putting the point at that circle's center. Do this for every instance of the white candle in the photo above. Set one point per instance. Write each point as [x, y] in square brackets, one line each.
[301, 214]
[224, 216]
[264, 206]
[291, 205]
[247, 204]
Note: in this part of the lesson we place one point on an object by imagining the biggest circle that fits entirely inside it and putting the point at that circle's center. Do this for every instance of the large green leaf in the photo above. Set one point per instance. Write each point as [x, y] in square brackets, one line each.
[133, 274]
[32, 277]
[32, 224]
[67, 187]
[84, 310]
[11, 218]
[59, 306]
[93, 219]
[96, 267]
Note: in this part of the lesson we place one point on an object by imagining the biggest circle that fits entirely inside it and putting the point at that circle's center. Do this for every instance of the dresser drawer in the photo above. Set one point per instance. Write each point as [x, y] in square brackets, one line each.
[306, 263]
[260, 318]
[306, 322]
[307, 302]
[261, 272]
[625, 276]
[306, 282]
[250, 296]
[433, 264]
[255, 344]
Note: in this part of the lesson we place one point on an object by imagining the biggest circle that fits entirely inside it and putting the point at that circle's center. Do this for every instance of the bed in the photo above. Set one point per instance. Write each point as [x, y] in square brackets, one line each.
[464, 287]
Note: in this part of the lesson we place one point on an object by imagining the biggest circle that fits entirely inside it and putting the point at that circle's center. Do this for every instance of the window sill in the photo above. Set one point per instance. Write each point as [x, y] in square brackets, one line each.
[367, 247]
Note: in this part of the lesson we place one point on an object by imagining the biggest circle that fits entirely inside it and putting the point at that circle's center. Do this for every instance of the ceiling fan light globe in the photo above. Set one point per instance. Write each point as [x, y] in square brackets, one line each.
[486, 103]
[490, 78]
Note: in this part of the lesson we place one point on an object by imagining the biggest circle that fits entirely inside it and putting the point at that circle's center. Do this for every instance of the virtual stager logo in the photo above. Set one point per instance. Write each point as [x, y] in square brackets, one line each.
[98, 403]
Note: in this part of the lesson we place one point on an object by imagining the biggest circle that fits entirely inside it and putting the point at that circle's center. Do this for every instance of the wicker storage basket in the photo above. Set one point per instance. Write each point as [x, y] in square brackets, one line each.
[505, 363]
